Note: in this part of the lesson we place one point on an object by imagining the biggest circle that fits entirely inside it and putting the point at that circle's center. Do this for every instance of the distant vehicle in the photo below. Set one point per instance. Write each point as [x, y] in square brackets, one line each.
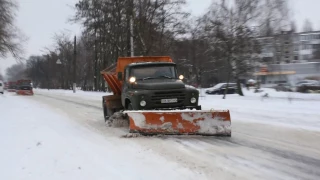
[12, 86]
[221, 87]
[6, 85]
[286, 87]
[306, 86]
[1, 87]
[308, 83]
[24, 87]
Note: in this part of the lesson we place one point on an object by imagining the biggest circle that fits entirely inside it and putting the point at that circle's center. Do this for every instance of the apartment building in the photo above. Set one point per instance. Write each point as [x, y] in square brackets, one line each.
[305, 44]
[288, 57]
[288, 47]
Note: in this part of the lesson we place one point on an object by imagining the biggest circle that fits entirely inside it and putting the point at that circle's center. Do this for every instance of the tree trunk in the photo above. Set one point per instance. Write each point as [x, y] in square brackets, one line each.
[96, 63]
[228, 79]
[239, 87]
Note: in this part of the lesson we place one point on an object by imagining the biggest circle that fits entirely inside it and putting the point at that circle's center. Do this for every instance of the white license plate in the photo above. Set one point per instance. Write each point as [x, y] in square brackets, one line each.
[169, 100]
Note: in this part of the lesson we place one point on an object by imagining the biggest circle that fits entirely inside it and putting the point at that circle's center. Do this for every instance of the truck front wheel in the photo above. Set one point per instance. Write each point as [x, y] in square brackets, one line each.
[130, 107]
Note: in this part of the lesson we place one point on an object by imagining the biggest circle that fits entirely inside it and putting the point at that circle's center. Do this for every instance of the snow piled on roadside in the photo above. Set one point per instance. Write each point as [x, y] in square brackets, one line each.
[272, 93]
[289, 109]
[42, 143]
[301, 112]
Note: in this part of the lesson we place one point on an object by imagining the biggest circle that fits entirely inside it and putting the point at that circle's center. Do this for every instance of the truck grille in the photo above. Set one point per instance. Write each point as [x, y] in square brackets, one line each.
[157, 96]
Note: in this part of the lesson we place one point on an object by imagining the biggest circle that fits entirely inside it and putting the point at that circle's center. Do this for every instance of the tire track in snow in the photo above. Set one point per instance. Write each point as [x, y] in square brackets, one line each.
[284, 162]
[252, 155]
[73, 102]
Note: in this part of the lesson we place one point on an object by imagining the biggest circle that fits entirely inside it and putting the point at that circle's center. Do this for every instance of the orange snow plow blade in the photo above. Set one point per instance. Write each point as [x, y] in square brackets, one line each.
[209, 123]
[24, 92]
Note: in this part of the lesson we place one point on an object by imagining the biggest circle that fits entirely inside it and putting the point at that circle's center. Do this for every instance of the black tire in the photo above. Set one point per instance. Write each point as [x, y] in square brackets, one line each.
[106, 111]
[130, 107]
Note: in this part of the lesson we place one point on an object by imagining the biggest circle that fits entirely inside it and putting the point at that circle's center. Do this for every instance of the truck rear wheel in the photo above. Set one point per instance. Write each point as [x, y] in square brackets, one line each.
[107, 112]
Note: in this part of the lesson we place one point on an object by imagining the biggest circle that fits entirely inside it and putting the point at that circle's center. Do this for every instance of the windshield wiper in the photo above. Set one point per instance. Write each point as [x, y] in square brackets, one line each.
[148, 78]
[165, 76]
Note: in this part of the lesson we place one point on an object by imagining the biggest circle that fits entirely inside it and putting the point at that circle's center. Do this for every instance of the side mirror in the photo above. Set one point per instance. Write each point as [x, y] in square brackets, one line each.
[120, 76]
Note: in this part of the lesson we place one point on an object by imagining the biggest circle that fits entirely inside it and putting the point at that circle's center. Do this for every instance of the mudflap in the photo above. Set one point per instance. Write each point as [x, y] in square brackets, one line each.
[198, 122]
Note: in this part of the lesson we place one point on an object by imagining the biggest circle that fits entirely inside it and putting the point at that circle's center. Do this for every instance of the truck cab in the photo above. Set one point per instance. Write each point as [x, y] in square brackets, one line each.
[156, 85]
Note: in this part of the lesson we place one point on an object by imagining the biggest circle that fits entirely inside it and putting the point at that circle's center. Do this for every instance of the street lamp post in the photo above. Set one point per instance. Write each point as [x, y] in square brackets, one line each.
[74, 64]
[59, 63]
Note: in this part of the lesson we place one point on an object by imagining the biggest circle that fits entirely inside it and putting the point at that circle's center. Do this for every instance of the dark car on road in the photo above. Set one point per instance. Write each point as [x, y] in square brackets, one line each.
[221, 87]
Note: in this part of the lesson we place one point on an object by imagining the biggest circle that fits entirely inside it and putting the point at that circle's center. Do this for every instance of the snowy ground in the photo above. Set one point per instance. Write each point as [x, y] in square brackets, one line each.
[39, 142]
[272, 138]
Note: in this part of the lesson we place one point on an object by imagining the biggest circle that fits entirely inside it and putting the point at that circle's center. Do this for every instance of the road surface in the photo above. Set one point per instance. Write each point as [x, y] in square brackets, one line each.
[255, 150]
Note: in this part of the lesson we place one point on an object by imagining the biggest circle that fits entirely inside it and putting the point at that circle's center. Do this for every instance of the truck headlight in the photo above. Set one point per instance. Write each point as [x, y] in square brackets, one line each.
[143, 103]
[132, 79]
[193, 100]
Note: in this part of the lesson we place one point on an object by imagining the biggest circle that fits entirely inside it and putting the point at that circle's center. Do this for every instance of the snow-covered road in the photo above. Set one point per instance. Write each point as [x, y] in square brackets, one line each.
[39, 141]
[267, 141]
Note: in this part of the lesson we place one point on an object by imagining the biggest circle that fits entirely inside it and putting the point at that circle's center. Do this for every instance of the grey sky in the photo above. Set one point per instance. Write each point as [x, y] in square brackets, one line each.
[41, 19]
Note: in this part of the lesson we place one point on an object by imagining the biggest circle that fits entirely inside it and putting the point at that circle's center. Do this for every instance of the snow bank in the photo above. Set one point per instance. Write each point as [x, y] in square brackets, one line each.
[301, 112]
[272, 93]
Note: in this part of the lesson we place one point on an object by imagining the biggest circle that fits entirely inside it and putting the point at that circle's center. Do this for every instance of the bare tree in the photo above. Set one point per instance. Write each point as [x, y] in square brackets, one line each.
[230, 32]
[156, 24]
[307, 26]
[293, 26]
[220, 46]
[10, 37]
[16, 72]
[273, 16]
[1, 76]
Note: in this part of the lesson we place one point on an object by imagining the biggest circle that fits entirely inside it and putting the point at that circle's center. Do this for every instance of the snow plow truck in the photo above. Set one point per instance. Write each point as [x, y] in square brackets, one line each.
[12, 86]
[24, 87]
[155, 100]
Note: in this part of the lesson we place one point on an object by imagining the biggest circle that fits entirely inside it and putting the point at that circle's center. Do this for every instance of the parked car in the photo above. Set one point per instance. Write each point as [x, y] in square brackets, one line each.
[1, 87]
[221, 87]
[307, 83]
[283, 87]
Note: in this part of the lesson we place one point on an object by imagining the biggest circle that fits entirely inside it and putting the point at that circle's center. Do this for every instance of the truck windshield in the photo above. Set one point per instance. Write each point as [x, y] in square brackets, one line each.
[24, 83]
[153, 72]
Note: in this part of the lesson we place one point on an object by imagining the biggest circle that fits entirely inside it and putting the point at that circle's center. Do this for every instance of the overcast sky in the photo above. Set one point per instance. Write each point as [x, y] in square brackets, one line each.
[41, 19]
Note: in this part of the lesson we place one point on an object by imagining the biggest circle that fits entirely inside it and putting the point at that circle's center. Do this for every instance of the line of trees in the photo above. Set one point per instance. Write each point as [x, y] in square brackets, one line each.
[218, 46]
[11, 39]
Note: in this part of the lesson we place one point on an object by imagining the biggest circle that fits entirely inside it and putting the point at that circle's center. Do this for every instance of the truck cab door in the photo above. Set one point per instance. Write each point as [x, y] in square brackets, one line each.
[124, 86]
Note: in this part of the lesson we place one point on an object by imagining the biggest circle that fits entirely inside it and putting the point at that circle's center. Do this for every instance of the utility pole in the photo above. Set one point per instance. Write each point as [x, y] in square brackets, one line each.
[74, 64]
[131, 37]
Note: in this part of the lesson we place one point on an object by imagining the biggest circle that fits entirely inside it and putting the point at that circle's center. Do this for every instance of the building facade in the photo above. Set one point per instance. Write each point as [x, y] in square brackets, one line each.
[288, 57]
[288, 73]
[288, 47]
